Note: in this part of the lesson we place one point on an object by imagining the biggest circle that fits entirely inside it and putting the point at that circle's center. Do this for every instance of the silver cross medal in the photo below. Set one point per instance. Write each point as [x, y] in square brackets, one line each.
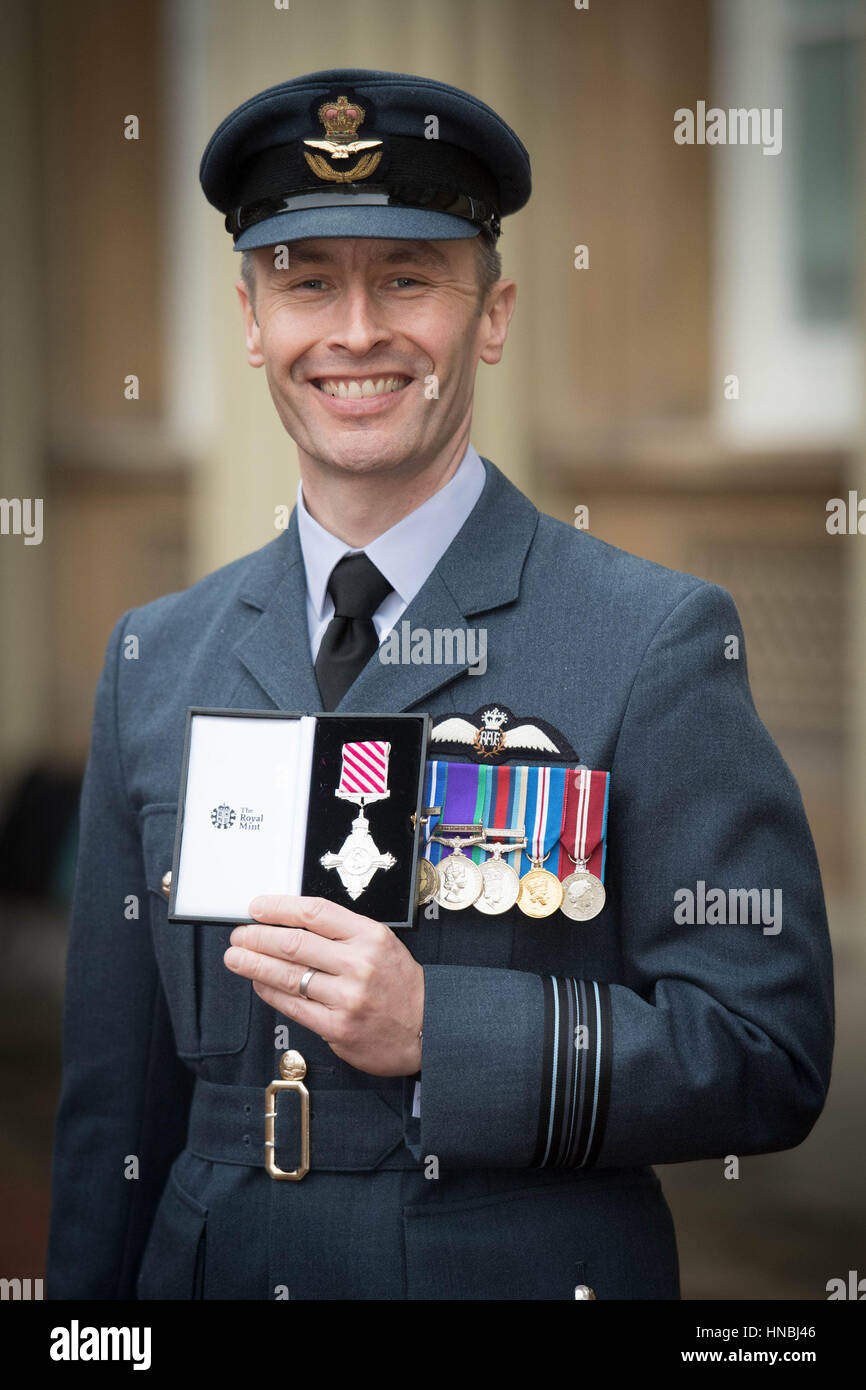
[363, 778]
[358, 857]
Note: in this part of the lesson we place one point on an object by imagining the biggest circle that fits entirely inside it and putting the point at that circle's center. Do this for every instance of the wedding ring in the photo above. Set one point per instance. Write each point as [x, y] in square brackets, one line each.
[305, 983]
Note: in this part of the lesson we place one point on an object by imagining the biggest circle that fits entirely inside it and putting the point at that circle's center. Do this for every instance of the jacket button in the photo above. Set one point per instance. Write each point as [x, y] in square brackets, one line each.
[584, 1291]
[166, 882]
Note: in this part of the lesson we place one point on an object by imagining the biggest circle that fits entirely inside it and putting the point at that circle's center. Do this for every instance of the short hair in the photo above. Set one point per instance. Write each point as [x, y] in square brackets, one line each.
[488, 264]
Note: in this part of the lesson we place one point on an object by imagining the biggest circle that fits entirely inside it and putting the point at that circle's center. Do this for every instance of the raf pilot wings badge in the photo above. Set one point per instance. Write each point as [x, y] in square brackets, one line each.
[493, 733]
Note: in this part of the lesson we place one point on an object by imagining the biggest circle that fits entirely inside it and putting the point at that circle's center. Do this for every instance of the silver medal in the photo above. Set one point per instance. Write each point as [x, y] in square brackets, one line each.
[583, 896]
[358, 858]
[363, 779]
[500, 883]
[460, 882]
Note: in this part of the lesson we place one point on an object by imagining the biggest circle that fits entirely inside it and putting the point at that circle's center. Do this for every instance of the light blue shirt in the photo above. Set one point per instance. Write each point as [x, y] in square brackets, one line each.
[406, 554]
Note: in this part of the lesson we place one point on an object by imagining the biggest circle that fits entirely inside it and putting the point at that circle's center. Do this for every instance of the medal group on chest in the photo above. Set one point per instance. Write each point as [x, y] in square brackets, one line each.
[538, 828]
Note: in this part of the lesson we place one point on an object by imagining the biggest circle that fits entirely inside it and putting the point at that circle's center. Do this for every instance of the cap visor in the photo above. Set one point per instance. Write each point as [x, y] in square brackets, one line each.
[365, 220]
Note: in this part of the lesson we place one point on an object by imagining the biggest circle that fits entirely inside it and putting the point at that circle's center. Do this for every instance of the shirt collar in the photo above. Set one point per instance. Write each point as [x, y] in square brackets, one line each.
[408, 552]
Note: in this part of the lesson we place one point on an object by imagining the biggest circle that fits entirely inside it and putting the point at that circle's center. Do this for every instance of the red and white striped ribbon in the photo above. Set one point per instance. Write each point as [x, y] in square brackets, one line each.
[365, 768]
[582, 817]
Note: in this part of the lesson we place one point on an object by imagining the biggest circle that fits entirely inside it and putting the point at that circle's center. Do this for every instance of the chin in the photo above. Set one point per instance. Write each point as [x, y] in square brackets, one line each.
[365, 455]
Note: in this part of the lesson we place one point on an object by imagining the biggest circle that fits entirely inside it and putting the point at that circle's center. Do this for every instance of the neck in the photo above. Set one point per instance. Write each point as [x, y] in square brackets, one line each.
[356, 508]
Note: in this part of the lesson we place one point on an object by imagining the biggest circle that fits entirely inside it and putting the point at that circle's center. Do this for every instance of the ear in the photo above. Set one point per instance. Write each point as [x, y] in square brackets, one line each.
[252, 332]
[497, 314]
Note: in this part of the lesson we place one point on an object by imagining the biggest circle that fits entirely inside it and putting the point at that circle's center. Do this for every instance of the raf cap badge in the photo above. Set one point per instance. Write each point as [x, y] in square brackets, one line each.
[341, 120]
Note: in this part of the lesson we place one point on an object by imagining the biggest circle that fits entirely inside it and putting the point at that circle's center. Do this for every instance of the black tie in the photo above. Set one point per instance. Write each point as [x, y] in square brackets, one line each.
[357, 588]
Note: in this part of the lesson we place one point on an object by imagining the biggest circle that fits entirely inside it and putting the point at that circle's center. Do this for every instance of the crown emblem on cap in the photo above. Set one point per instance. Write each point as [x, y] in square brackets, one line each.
[341, 119]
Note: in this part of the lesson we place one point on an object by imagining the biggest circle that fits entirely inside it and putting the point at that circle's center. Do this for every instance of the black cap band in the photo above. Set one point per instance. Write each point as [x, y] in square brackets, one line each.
[407, 195]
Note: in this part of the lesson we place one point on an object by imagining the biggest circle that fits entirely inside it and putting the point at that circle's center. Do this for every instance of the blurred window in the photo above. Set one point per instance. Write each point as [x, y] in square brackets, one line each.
[822, 61]
[787, 252]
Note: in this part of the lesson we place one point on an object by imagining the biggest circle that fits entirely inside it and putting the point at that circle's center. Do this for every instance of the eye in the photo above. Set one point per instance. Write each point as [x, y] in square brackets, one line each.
[403, 280]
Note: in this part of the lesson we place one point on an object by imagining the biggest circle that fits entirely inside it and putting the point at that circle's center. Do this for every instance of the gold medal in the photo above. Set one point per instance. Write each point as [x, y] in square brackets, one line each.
[540, 891]
[428, 882]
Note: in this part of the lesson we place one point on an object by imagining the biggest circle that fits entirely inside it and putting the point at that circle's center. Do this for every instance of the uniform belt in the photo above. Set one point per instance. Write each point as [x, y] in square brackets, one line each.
[350, 1131]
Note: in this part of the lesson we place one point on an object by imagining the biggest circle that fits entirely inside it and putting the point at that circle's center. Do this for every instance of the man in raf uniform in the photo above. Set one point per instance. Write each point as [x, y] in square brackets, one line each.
[488, 1091]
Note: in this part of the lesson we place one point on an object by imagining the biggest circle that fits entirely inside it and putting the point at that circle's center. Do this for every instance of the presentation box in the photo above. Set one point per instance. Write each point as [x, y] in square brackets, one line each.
[325, 805]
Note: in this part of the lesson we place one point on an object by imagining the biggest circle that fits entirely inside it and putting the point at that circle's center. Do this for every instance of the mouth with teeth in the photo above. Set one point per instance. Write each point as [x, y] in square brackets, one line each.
[360, 388]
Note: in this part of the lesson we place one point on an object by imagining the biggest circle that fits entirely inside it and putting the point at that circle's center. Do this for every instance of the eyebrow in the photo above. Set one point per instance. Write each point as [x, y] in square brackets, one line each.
[417, 253]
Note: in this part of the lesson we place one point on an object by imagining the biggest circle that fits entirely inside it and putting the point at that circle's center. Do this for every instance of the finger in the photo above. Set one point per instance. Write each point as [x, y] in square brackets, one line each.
[318, 915]
[278, 975]
[307, 1012]
[291, 944]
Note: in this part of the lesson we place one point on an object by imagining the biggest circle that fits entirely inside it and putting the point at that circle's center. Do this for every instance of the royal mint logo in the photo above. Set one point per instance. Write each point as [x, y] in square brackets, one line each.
[224, 817]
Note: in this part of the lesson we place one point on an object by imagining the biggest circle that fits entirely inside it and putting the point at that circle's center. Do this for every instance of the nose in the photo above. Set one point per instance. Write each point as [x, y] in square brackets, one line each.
[359, 323]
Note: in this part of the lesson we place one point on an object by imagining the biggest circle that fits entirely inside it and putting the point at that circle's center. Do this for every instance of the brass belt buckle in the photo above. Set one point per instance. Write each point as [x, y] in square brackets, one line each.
[292, 1069]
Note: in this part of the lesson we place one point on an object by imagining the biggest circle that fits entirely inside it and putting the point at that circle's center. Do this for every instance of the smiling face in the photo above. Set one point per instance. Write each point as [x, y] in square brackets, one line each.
[352, 335]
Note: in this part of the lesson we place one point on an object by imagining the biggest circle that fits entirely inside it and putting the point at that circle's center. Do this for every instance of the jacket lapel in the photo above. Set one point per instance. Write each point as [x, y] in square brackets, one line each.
[480, 571]
[276, 650]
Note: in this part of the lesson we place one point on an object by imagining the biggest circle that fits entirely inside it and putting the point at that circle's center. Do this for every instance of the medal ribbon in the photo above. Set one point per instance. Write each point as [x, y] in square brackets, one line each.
[434, 791]
[545, 804]
[365, 768]
[566, 804]
[460, 806]
[459, 798]
[585, 821]
[505, 807]
[488, 806]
